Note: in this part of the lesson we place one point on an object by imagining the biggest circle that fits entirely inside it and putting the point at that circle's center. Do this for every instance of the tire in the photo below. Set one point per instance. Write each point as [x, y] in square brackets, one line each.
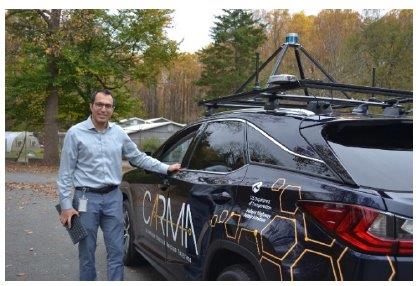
[238, 272]
[130, 256]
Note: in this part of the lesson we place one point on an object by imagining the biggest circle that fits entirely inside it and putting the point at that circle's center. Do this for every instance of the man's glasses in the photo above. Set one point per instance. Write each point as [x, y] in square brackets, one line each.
[101, 105]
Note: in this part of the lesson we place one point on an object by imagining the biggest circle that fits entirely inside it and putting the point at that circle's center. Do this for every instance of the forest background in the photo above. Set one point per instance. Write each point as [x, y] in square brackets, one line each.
[56, 58]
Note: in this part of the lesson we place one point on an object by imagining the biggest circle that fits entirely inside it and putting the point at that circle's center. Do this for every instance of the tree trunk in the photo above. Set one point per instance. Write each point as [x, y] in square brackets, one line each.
[51, 156]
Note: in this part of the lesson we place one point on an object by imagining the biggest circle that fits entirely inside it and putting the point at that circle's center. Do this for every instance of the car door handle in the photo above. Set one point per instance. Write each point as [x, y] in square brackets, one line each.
[221, 198]
[165, 184]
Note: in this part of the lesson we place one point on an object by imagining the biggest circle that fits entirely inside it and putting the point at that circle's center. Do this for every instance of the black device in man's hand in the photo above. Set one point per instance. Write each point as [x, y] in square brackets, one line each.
[77, 231]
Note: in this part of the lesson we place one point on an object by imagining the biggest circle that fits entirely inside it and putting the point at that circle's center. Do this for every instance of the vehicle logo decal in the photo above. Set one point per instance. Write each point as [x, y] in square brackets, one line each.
[184, 225]
[257, 187]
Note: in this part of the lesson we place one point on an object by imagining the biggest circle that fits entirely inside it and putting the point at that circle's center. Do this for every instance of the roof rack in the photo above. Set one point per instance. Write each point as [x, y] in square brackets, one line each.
[274, 94]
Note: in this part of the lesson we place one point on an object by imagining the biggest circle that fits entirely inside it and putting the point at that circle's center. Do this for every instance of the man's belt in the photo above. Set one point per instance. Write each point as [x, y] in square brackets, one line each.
[103, 190]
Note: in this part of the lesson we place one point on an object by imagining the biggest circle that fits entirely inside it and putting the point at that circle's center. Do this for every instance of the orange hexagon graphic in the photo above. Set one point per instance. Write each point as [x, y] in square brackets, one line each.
[306, 262]
[279, 237]
[232, 225]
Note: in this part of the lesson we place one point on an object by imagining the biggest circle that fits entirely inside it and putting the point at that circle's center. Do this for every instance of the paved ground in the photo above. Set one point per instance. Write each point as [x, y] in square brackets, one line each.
[37, 246]
[31, 178]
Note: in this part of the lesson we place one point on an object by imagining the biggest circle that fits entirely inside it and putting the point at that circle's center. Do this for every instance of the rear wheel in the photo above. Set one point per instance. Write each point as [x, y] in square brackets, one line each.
[130, 256]
[238, 272]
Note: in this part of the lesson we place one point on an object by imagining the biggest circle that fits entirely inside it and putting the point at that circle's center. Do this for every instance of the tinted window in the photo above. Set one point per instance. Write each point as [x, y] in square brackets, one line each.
[221, 147]
[175, 152]
[263, 150]
[376, 154]
[285, 130]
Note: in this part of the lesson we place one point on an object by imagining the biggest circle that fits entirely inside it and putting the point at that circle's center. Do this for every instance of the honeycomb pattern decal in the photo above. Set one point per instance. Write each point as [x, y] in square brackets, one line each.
[277, 230]
[322, 261]
[232, 225]
[289, 253]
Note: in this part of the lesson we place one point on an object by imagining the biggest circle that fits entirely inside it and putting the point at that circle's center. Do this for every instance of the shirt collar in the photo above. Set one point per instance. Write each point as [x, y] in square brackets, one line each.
[89, 124]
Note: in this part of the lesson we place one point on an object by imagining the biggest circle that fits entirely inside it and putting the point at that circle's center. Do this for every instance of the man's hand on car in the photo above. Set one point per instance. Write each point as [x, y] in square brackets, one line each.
[66, 215]
[174, 168]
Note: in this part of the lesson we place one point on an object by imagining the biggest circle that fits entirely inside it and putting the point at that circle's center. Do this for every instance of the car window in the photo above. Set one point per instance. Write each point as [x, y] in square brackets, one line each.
[377, 154]
[263, 150]
[220, 148]
[286, 131]
[175, 153]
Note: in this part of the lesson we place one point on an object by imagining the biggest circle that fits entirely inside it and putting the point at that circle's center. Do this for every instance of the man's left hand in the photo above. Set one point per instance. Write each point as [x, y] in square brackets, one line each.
[174, 168]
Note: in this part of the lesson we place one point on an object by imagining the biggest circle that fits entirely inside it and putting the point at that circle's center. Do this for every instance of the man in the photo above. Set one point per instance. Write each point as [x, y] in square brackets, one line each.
[91, 161]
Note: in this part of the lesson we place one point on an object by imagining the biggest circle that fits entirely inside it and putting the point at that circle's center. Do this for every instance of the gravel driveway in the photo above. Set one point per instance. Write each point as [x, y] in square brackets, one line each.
[37, 247]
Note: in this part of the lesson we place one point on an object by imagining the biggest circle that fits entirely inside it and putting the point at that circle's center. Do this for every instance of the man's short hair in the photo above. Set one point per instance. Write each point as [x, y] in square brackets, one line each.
[105, 92]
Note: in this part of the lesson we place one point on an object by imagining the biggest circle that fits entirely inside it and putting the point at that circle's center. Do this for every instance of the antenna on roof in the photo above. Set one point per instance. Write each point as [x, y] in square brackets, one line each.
[257, 62]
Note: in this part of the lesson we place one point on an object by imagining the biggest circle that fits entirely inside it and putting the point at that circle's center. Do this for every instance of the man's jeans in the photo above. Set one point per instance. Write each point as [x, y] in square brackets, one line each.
[106, 211]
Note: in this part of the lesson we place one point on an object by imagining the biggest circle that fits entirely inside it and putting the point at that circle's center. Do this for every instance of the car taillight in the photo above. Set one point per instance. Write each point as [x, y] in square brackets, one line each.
[366, 229]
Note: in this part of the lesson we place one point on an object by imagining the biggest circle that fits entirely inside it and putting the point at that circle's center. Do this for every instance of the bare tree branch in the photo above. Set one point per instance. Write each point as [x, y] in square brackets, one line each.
[103, 83]
[43, 14]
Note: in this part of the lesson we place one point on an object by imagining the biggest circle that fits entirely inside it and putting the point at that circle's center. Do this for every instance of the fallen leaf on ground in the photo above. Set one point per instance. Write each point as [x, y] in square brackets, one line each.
[22, 274]
[49, 189]
[32, 167]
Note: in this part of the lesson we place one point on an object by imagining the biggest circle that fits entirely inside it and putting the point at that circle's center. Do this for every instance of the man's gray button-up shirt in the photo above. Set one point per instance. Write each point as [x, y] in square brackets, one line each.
[94, 159]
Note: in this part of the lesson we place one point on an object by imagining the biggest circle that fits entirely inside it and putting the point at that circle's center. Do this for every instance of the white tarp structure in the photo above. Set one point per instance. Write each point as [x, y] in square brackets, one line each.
[10, 138]
[14, 140]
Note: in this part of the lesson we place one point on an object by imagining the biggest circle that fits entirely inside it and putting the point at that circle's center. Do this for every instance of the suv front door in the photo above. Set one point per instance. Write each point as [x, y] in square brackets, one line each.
[213, 166]
[149, 197]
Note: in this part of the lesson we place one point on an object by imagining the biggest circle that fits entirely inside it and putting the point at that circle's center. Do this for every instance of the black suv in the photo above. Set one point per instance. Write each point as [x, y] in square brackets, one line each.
[283, 195]
[274, 193]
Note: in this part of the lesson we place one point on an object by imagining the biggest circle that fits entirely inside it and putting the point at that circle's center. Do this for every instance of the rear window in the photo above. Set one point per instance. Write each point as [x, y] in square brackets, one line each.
[376, 153]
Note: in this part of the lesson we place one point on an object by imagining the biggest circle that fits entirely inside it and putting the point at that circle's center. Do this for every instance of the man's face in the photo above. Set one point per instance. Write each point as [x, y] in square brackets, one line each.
[102, 108]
